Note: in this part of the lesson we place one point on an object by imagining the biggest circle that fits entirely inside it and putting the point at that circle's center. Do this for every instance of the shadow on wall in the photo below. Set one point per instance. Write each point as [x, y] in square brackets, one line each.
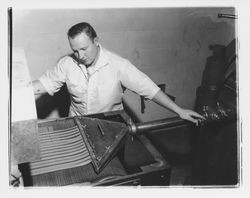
[60, 102]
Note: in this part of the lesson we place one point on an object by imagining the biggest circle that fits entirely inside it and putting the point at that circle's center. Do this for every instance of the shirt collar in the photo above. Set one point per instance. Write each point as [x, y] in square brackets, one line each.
[102, 59]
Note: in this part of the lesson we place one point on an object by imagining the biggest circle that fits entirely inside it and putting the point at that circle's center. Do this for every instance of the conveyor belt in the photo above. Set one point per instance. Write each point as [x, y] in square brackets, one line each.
[60, 149]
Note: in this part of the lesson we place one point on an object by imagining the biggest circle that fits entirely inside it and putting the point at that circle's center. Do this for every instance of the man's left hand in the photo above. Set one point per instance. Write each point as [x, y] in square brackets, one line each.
[191, 116]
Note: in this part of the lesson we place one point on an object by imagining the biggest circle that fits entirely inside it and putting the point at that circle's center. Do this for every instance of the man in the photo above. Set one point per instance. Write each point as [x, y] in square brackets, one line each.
[96, 77]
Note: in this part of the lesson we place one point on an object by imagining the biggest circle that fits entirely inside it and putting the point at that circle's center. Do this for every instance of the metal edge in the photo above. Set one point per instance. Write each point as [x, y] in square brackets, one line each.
[116, 147]
[85, 139]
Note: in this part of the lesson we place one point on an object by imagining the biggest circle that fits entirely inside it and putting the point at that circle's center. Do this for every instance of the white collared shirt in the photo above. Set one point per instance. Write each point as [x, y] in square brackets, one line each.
[100, 90]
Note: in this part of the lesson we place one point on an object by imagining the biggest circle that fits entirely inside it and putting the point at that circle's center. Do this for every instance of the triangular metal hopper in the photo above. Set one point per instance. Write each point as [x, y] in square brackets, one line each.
[103, 139]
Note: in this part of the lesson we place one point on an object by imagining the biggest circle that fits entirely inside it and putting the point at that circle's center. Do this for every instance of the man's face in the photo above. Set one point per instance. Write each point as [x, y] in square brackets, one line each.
[85, 50]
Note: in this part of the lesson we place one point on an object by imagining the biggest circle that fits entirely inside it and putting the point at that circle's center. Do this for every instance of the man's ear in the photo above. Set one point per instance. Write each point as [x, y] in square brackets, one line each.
[96, 41]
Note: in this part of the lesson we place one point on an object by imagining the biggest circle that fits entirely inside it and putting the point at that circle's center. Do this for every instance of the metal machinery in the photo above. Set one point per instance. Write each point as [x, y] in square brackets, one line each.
[96, 150]
[217, 147]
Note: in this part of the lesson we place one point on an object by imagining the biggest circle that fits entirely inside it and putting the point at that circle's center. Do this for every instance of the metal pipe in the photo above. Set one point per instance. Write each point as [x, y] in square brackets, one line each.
[139, 128]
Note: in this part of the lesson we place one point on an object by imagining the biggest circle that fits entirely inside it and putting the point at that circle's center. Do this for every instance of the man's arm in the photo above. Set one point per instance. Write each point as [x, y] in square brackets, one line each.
[162, 99]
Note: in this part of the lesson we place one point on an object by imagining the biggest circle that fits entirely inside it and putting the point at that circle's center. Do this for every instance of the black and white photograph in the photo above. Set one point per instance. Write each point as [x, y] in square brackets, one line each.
[124, 97]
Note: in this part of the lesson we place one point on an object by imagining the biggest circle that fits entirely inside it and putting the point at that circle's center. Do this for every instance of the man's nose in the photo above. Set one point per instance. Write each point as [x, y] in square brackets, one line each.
[81, 54]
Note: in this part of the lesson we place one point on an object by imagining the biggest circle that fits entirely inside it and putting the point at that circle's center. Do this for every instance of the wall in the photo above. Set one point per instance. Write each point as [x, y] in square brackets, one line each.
[168, 44]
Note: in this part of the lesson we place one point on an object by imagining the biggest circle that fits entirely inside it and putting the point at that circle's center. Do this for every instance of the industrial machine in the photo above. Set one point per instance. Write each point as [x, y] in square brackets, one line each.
[97, 150]
[94, 150]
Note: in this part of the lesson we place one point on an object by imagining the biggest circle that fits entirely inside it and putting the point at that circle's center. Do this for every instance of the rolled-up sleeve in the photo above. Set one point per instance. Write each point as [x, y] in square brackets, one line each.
[54, 79]
[137, 81]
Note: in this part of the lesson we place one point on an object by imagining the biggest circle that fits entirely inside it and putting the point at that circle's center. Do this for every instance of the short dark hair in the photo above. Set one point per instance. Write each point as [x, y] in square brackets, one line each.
[80, 28]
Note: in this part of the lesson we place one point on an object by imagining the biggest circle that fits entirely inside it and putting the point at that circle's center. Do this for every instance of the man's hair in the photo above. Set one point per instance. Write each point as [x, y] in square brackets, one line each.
[80, 28]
